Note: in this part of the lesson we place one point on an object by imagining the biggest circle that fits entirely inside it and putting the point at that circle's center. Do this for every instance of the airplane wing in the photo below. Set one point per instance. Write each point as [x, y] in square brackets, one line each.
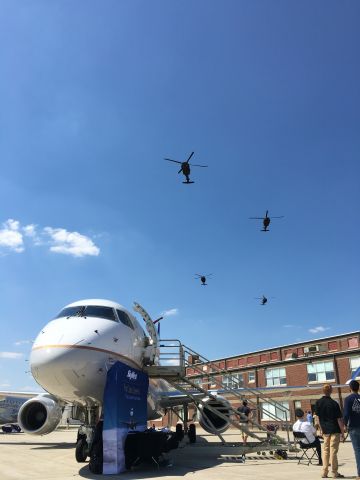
[25, 395]
[10, 403]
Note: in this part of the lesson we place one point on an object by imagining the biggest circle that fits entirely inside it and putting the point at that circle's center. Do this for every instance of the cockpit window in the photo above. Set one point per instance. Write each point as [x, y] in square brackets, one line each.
[102, 312]
[124, 318]
[70, 312]
[89, 311]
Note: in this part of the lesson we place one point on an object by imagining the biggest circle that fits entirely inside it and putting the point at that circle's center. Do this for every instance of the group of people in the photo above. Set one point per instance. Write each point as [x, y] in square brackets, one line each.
[331, 425]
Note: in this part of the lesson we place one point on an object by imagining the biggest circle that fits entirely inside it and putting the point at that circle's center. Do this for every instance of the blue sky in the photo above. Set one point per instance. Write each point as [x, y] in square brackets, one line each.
[95, 94]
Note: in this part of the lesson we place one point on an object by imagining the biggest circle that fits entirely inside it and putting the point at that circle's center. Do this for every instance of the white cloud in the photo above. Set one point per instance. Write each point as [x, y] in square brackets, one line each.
[22, 342]
[318, 329]
[289, 325]
[10, 237]
[71, 243]
[11, 355]
[4, 385]
[30, 230]
[168, 313]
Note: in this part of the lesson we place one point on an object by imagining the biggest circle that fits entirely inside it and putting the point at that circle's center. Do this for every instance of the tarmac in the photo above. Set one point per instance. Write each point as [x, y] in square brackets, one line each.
[51, 457]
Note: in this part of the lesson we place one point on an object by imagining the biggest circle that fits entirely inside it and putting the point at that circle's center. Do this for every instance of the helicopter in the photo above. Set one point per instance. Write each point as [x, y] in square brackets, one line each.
[185, 167]
[203, 277]
[263, 300]
[266, 220]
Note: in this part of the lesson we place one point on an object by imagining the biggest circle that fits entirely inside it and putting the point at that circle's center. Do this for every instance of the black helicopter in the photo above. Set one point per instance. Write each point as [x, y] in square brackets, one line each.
[263, 300]
[203, 277]
[266, 220]
[185, 167]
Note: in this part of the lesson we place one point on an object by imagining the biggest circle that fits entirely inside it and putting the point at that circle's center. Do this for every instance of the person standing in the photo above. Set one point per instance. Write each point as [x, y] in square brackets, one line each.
[332, 430]
[309, 417]
[352, 420]
[245, 414]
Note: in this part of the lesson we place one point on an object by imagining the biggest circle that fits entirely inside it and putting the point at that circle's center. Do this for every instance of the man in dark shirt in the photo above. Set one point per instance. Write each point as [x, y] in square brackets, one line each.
[352, 420]
[332, 430]
[245, 412]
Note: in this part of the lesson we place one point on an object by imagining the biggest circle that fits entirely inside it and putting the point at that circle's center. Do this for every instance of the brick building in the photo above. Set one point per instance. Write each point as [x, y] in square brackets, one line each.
[309, 364]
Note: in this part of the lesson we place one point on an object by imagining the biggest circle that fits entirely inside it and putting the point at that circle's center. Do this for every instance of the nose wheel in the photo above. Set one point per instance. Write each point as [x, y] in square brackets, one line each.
[81, 449]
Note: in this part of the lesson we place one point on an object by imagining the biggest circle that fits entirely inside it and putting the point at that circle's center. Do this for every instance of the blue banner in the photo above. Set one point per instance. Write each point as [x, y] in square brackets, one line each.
[125, 408]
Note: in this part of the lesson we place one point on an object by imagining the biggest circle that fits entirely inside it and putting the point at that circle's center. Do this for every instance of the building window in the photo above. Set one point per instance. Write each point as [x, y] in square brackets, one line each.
[297, 404]
[251, 377]
[235, 380]
[353, 342]
[320, 371]
[275, 376]
[279, 412]
[354, 365]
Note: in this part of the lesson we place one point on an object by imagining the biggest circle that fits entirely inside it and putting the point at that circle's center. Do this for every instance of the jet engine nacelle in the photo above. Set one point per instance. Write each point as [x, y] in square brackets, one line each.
[40, 415]
[211, 422]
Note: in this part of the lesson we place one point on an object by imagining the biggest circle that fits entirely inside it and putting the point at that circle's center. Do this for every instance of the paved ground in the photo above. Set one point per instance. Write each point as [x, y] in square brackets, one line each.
[52, 457]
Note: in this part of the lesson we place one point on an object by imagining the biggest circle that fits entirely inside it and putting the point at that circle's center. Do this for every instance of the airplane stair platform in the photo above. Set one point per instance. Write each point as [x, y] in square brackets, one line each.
[175, 361]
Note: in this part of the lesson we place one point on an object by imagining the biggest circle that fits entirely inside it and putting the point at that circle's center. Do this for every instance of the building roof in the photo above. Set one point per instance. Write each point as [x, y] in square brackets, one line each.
[306, 342]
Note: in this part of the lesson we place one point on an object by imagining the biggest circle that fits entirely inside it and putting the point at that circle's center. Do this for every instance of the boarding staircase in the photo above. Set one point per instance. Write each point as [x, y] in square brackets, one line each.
[170, 359]
[174, 358]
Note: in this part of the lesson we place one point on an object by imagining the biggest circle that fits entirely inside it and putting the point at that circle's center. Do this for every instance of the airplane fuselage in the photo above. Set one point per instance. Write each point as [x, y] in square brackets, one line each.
[72, 354]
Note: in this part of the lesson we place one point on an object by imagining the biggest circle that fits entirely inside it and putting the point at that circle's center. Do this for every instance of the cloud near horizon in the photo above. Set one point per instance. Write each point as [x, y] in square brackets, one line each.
[22, 342]
[58, 240]
[11, 355]
[171, 311]
[318, 329]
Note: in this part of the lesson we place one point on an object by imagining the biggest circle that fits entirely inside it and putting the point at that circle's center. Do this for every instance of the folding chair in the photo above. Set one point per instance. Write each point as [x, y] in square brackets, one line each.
[309, 454]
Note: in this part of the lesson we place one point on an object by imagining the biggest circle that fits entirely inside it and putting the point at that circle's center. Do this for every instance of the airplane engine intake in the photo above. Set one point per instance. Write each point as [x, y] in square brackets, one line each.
[40, 415]
[209, 420]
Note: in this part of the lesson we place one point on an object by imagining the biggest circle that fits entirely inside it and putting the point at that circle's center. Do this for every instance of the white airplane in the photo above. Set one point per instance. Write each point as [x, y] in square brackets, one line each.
[70, 359]
[10, 403]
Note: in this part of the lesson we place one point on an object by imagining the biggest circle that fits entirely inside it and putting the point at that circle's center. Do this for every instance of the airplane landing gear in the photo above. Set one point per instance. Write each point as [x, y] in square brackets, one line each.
[192, 433]
[81, 449]
[85, 436]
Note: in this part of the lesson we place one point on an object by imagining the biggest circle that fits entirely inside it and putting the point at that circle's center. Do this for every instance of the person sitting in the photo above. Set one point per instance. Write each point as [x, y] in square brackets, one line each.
[311, 440]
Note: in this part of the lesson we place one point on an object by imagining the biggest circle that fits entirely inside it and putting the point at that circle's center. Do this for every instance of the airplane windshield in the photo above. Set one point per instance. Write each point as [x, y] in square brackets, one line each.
[89, 311]
[102, 312]
[70, 312]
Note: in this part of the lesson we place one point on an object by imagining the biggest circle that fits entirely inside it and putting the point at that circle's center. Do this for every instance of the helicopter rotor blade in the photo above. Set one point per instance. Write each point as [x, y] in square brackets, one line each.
[194, 165]
[191, 154]
[282, 216]
[170, 160]
[256, 218]
[180, 170]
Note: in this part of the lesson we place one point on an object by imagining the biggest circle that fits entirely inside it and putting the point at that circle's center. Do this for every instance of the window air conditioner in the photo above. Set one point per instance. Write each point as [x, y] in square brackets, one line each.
[311, 349]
